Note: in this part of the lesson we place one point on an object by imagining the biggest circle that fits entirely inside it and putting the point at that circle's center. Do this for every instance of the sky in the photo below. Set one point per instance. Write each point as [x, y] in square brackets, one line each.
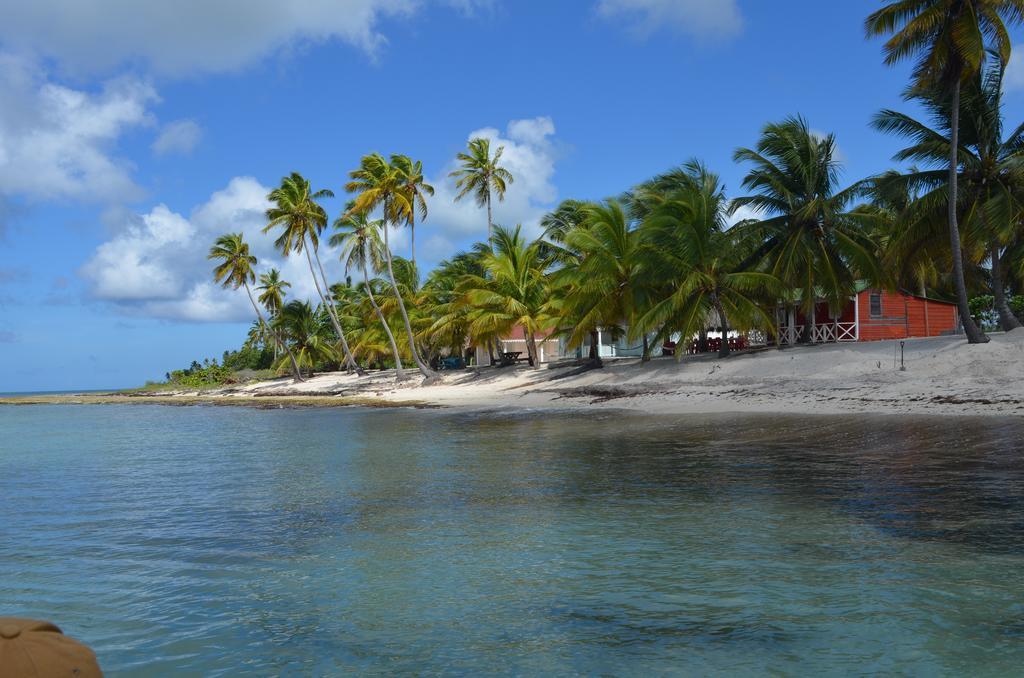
[133, 134]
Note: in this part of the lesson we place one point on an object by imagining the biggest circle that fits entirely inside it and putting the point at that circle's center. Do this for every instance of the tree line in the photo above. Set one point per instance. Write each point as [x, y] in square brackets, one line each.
[668, 257]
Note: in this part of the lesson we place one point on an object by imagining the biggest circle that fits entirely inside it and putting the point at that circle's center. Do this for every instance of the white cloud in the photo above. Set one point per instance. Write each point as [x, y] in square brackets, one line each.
[179, 136]
[1013, 78]
[530, 156]
[189, 36]
[137, 264]
[743, 213]
[57, 142]
[155, 264]
[702, 19]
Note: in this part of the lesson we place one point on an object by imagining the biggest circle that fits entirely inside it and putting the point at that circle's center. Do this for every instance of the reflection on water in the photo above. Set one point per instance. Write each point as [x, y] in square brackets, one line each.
[216, 541]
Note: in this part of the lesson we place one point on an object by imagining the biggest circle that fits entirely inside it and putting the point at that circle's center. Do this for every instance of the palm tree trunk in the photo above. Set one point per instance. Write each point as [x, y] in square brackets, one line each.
[490, 222]
[1007, 320]
[328, 298]
[595, 354]
[277, 338]
[723, 351]
[646, 355]
[412, 244]
[974, 335]
[350, 362]
[427, 373]
[531, 350]
[399, 372]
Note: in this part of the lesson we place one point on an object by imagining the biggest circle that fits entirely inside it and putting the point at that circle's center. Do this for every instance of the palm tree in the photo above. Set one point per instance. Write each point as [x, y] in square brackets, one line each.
[689, 247]
[378, 183]
[480, 174]
[556, 225]
[359, 238]
[301, 219]
[907, 248]
[236, 270]
[272, 295]
[990, 174]
[512, 292]
[259, 336]
[807, 238]
[602, 288]
[568, 215]
[300, 323]
[412, 183]
[273, 290]
[947, 41]
[450, 326]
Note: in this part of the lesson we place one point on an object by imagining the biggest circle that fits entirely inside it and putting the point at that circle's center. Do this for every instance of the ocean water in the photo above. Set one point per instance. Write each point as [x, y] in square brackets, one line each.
[229, 541]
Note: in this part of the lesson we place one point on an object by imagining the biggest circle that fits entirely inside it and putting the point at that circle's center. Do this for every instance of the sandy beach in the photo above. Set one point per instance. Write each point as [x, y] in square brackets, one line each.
[943, 376]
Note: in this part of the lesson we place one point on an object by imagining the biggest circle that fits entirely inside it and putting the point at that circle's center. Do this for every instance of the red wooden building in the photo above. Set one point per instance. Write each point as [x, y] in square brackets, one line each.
[872, 314]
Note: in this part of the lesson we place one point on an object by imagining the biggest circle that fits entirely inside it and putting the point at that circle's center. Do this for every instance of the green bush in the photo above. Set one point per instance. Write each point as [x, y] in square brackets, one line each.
[983, 309]
[248, 358]
[1016, 303]
[207, 374]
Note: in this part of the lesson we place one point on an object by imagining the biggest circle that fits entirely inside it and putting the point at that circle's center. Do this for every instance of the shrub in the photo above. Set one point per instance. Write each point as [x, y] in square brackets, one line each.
[207, 374]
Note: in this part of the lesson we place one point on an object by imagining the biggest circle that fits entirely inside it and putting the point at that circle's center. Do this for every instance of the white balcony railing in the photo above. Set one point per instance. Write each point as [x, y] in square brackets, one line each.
[825, 333]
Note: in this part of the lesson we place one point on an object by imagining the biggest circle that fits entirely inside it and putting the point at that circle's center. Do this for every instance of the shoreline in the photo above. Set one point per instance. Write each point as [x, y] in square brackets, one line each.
[944, 376]
[215, 399]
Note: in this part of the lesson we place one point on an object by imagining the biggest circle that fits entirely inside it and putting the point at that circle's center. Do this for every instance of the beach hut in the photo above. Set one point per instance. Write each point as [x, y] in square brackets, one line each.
[872, 314]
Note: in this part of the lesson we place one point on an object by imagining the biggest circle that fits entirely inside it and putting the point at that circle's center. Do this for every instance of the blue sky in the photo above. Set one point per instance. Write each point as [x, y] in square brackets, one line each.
[131, 134]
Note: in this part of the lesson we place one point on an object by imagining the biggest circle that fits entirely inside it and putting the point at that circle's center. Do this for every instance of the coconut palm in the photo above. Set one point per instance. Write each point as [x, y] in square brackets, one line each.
[603, 286]
[305, 328]
[480, 175]
[557, 224]
[272, 291]
[807, 238]
[907, 248]
[378, 183]
[512, 292]
[259, 336]
[272, 295]
[415, 187]
[301, 219]
[236, 270]
[949, 41]
[450, 327]
[360, 242]
[990, 177]
[689, 247]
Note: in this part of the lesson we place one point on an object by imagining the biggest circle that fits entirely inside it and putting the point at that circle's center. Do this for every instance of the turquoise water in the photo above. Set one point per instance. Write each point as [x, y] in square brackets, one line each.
[224, 541]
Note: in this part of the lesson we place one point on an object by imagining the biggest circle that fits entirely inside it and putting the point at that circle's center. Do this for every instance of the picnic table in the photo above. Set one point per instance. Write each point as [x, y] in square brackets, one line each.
[512, 357]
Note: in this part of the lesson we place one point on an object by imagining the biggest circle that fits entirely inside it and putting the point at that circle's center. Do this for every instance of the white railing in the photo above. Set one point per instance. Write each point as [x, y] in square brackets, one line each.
[757, 338]
[825, 333]
[786, 338]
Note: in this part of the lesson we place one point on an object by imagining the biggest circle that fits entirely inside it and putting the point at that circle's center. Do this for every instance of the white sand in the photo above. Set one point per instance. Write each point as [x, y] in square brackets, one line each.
[944, 376]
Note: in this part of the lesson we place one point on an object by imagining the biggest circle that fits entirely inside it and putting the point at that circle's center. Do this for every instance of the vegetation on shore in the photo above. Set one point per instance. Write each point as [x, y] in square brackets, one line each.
[670, 256]
[153, 397]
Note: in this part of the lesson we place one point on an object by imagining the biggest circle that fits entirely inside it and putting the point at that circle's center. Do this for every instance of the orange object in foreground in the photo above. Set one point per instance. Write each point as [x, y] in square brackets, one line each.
[38, 649]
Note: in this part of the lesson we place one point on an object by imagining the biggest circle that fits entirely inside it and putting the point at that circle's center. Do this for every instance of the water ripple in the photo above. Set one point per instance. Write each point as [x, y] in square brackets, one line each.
[216, 541]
